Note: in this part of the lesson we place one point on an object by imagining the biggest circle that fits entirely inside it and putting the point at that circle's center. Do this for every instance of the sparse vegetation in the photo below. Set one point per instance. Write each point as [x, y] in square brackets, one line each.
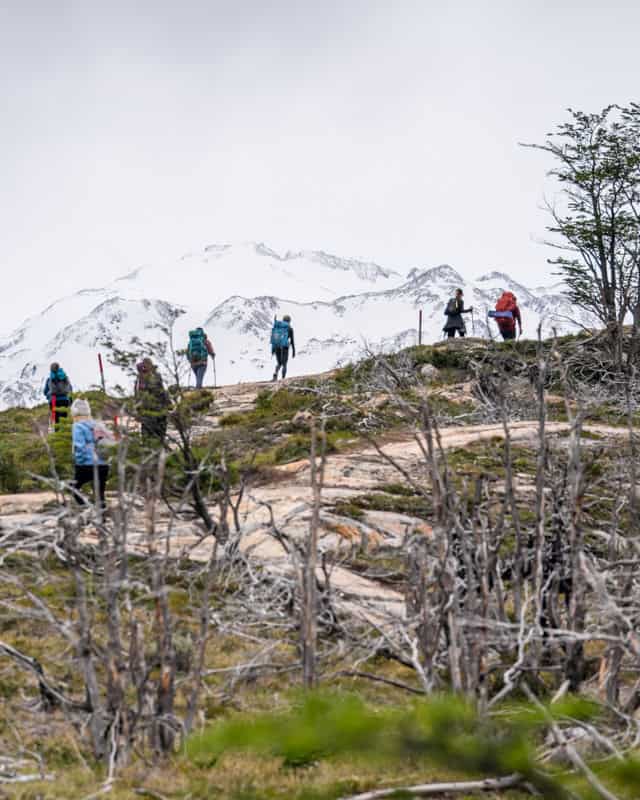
[443, 536]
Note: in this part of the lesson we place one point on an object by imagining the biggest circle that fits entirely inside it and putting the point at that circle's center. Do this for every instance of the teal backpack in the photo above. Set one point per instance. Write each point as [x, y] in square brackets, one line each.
[279, 335]
[197, 350]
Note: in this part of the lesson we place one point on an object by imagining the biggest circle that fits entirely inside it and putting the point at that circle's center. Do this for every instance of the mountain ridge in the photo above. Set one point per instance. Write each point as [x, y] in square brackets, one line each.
[340, 307]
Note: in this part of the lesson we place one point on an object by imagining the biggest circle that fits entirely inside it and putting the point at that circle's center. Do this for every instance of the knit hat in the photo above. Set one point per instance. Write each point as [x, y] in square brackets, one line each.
[80, 408]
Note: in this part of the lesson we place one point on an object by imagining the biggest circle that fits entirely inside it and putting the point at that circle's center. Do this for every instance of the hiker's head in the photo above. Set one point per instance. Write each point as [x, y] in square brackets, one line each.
[286, 318]
[459, 293]
[146, 365]
[54, 366]
[80, 409]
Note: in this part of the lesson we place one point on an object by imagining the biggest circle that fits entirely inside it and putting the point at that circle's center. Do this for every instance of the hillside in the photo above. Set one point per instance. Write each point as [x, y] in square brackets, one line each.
[340, 307]
[177, 604]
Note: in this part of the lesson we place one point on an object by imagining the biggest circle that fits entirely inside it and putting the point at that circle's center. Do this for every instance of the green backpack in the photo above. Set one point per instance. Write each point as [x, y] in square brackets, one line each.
[197, 350]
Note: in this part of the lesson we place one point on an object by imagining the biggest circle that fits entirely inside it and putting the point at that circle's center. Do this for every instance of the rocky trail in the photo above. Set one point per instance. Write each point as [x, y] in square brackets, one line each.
[285, 502]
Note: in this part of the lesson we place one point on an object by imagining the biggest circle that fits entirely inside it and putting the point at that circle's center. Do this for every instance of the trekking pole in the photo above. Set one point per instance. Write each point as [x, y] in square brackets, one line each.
[215, 377]
[473, 323]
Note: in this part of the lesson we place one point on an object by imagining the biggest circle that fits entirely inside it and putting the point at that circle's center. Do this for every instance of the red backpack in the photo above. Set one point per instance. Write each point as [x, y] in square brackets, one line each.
[507, 302]
[506, 305]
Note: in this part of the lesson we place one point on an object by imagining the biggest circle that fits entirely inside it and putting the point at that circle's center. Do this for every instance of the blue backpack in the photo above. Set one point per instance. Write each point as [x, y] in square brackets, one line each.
[279, 334]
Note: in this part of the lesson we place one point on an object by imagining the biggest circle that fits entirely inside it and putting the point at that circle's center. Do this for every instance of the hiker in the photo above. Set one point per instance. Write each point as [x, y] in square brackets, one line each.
[88, 456]
[281, 336]
[152, 401]
[57, 390]
[507, 314]
[198, 352]
[454, 311]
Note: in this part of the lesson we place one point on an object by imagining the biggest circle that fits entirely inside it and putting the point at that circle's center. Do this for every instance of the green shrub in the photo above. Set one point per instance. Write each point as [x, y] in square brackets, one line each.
[443, 730]
[10, 480]
[281, 403]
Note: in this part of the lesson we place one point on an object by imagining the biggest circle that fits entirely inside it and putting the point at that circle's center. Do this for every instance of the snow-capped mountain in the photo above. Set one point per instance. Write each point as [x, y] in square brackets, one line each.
[339, 307]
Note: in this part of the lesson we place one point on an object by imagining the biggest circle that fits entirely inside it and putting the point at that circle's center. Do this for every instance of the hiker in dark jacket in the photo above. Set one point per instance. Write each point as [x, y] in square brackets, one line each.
[152, 401]
[281, 338]
[198, 351]
[454, 311]
[57, 390]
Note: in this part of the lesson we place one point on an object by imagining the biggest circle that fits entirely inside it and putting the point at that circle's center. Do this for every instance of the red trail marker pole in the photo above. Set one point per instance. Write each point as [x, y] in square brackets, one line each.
[52, 418]
[101, 372]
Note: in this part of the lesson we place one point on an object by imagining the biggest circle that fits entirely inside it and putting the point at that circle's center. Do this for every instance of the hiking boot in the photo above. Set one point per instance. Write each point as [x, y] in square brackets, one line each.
[275, 376]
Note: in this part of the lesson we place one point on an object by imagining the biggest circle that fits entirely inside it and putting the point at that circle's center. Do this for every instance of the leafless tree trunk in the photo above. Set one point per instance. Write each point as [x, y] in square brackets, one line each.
[309, 580]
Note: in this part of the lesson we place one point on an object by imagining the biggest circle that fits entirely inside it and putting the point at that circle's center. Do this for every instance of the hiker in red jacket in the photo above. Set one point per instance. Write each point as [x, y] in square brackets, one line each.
[507, 315]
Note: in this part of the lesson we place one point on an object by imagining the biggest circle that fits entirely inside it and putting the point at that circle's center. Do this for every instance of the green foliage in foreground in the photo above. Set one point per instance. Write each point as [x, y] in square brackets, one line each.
[441, 731]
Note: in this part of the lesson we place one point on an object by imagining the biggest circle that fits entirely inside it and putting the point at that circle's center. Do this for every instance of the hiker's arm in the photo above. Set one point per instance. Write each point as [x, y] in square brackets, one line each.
[210, 349]
[46, 391]
[293, 344]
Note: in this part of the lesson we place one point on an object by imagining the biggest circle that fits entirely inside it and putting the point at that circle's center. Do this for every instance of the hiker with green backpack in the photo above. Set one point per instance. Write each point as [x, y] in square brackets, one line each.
[198, 352]
[281, 337]
[152, 403]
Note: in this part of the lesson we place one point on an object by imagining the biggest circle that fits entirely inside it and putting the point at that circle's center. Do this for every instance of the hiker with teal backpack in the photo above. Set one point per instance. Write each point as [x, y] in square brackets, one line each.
[281, 337]
[198, 352]
[57, 390]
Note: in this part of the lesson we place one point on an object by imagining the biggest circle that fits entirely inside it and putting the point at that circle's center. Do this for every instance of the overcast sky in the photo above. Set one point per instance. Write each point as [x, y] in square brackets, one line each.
[133, 132]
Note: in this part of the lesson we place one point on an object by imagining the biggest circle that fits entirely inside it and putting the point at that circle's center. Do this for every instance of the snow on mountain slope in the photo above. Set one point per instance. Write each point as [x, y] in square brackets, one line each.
[337, 332]
[340, 307]
[204, 279]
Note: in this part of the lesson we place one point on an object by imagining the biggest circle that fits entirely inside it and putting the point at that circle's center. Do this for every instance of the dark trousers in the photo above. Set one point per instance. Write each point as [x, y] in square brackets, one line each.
[62, 404]
[199, 371]
[452, 332]
[84, 474]
[154, 428]
[282, 357]
[507, 333]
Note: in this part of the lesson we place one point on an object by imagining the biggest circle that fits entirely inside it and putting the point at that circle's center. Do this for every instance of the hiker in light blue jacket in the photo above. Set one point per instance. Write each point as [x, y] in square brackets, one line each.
[86, 434]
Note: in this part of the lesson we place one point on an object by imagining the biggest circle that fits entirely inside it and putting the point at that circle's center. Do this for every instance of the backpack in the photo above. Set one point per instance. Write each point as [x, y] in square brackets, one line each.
[197, 350]
[504, 313]
[104, 441]
[452, 307]
[280, 334]
[506, 302]
[59, 385]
